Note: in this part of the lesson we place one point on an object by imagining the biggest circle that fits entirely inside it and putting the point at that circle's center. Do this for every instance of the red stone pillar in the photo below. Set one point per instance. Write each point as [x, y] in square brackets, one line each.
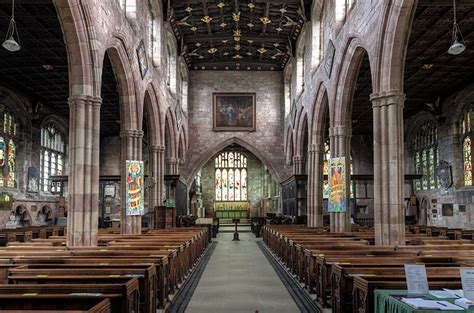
[83, 181]
[389, 213]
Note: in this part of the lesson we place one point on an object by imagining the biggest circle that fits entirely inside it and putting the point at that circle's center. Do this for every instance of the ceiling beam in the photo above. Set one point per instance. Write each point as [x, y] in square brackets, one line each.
[229, 36]
[242, 63]
[434, 3]
[178, 2]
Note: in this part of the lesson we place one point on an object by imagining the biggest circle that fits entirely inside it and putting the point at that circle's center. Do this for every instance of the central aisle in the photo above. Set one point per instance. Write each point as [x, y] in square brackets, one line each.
[238, 278]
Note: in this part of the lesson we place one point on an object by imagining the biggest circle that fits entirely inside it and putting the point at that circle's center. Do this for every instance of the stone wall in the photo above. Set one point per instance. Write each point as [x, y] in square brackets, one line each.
[266, 142]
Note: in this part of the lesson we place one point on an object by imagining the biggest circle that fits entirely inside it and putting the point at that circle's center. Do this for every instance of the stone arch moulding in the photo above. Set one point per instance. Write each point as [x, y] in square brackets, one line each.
[151, 106]
[18, 109]
[170, 126]
[74, 18]
[346, 80]
[206, 156]
[300, 133]
[122, 69]
[397, 21]
[58, 122]
[320, 110]
[289, 145]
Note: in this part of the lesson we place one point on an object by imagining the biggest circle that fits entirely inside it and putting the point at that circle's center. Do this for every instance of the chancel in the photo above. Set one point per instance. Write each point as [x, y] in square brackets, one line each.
[236, 156]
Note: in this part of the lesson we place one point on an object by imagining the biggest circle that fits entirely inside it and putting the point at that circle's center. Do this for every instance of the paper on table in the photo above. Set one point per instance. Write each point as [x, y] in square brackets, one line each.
[442, 294]
[458, 292]
[422, 304]
[417, 281]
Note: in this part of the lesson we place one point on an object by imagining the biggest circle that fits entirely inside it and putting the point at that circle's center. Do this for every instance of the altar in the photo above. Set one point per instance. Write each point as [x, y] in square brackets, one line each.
[231, 209]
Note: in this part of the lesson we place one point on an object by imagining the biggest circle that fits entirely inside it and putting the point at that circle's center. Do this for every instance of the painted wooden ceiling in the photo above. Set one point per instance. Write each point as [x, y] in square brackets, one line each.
[237, 34]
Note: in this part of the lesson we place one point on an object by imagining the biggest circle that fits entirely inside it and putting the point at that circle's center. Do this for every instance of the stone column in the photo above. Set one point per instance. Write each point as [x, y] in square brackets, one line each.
[389, 213]
[315, 185]
[157, 168]
[173, 164]
[340, 142]
[83, 181]
[298, 164]
[131, 150]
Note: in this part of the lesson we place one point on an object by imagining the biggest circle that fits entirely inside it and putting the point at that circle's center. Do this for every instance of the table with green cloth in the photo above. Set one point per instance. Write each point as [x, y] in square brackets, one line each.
[385, 303]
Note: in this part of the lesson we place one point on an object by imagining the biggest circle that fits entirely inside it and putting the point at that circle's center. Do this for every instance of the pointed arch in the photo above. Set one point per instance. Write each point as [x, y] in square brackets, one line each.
[151, 112]
[301, 132]
[289, 146]
[182, 146]
[210, 153]
[347, 81]
[321, 109]
[171, 138]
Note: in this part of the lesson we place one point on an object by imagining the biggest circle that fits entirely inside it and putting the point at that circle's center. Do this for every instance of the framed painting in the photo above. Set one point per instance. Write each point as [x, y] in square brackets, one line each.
[142, 59]
[328, 64]
[234, 112]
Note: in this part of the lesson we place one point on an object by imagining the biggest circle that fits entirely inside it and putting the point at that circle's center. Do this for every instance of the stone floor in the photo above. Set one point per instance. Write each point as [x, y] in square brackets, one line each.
[238, 278]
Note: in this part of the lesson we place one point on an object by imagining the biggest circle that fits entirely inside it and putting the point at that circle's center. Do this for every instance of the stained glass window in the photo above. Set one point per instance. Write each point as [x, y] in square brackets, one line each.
[52, 156]
[8, 131]
[427, 155]
[467, 159]
[231, 176]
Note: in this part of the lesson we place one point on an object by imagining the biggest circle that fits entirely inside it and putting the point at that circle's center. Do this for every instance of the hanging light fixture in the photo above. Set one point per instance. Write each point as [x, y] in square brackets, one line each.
[458, 45]
[10, 43]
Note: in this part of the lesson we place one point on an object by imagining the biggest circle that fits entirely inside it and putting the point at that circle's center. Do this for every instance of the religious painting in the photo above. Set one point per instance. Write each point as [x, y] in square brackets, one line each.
[337, 202]
[328, 64]
[234, 111]
[135, 204]
[142, 59]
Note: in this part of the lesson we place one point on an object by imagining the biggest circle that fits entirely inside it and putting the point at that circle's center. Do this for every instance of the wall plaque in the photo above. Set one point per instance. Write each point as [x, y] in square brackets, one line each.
[328, 64]
[447, 209]
[142, 59]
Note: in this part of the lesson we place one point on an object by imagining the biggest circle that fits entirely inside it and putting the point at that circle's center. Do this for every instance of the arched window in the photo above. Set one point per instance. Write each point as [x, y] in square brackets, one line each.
[342, 8]
[426, 156]
[7, 149]
[231, 176]
[52, 157]
[467, 132]
[300, 70]
[317, 34]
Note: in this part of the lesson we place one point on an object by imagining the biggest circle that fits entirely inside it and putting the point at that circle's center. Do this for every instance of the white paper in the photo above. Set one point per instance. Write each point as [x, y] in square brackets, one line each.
[442, 294]
[467, 279]
[465, 303]
[458, 292]
[417, 281]
[419, 303]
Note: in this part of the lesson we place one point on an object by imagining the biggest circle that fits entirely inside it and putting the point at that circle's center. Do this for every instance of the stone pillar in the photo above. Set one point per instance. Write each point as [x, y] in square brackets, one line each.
[298, 164]
[131, 150]
[157, 167]
[83, 181]
[389, 213]
[315, 185]
[173, 164]
[340, 145]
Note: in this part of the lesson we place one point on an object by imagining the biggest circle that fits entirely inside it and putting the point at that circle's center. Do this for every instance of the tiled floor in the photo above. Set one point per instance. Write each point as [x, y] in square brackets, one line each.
[238, 278]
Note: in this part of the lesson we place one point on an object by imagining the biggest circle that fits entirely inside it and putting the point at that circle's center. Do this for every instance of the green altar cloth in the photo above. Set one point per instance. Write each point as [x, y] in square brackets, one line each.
[385, 303]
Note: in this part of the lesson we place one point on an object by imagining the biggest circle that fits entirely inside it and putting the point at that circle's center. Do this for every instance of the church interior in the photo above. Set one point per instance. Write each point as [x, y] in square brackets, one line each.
[236, 156]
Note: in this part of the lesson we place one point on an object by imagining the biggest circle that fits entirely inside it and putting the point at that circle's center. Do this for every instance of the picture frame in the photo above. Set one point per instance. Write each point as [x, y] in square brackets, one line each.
[328, 64]
[234, 112]
[142, 59]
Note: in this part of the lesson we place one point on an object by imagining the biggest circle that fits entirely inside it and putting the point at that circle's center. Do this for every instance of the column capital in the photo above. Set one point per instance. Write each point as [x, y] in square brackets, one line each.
[158, 149]
[388, 97]
[297, 159]
[343, 131]
[132, 133]
[82, 99]
[314, 148]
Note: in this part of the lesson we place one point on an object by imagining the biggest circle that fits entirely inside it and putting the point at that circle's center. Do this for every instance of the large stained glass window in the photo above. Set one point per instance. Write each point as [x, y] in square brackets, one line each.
[231, 176]
[467, 131]
[426, 156]
[7, 149]
[52, 156]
